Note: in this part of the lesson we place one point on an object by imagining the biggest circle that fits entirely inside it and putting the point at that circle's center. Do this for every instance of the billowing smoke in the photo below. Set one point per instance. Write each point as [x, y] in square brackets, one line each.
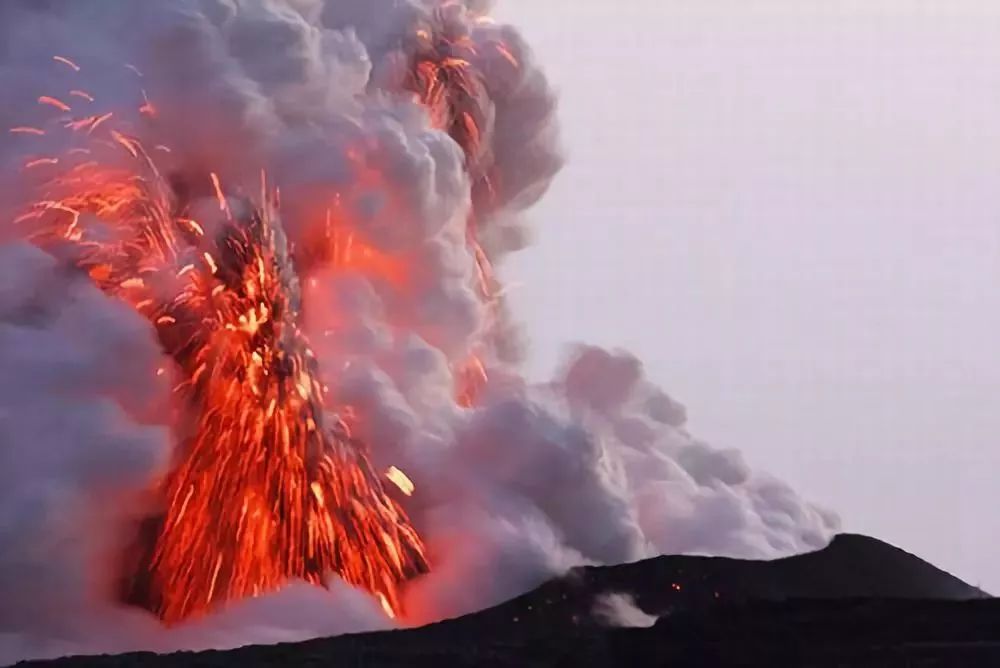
[514, 483]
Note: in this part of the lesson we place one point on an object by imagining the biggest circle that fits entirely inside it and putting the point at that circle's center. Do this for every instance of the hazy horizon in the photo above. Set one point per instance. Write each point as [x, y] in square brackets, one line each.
[790, 211]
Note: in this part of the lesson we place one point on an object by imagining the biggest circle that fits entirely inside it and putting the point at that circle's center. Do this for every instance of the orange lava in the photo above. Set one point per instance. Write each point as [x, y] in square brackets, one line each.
[268, 486]
[269, 489]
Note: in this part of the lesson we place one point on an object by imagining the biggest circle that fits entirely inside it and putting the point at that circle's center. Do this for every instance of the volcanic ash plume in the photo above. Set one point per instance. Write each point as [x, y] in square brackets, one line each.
[260, 382]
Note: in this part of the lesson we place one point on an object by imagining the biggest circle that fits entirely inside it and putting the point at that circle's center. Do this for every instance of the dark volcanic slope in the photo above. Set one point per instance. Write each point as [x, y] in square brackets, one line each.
[862, 602]
[850, 567]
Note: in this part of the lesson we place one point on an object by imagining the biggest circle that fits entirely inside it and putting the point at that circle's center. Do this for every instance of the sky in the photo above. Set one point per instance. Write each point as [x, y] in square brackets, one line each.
[791, 211]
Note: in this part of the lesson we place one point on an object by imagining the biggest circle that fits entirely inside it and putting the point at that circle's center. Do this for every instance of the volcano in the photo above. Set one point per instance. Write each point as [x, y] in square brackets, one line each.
[858, 602]
[257, 349]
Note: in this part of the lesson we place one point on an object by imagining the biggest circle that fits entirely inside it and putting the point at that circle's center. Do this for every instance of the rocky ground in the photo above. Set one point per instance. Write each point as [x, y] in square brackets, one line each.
[859, 602]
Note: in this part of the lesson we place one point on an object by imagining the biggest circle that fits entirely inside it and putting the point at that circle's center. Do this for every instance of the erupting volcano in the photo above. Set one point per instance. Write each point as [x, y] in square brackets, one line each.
[254, 335]
[268, 484]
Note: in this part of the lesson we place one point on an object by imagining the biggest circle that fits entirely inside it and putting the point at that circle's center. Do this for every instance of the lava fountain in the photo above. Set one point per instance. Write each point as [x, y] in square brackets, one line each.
[269, 484]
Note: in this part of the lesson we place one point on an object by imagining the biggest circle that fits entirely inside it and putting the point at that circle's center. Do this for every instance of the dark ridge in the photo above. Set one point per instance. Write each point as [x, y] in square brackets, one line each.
[851, 566]
[858, 602]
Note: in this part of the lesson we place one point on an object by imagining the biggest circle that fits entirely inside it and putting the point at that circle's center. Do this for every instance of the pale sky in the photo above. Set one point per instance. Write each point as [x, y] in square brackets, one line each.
[791, 211]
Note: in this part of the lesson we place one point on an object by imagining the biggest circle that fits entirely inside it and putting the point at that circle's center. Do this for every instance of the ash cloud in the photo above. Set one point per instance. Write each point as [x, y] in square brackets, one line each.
[595, 467]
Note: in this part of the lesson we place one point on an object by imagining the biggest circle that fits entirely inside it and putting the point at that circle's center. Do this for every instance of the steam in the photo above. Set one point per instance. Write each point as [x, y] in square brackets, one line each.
[72, 459]
[594, 467]
[620, 610]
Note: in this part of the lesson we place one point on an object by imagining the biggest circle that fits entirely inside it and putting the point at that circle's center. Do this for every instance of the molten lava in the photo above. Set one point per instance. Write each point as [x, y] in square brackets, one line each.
[268, 484]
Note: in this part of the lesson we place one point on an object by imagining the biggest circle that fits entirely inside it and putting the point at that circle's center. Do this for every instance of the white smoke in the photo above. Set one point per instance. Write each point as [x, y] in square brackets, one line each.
[72, 459]
[620, 610]
[595, 467]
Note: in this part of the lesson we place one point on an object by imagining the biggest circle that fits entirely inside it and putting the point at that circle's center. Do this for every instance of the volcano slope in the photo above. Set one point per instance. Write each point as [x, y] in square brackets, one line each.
[858, 602]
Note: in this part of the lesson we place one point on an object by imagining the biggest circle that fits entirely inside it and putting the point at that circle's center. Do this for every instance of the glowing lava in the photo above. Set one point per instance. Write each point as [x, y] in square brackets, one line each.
[268, 485]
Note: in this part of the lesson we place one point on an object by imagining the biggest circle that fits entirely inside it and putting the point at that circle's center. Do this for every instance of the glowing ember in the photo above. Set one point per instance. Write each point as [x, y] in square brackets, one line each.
[400, 480]
[67, 62]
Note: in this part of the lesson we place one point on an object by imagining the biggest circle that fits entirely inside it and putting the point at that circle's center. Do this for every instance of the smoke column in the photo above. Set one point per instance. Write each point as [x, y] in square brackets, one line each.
[405, 139]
